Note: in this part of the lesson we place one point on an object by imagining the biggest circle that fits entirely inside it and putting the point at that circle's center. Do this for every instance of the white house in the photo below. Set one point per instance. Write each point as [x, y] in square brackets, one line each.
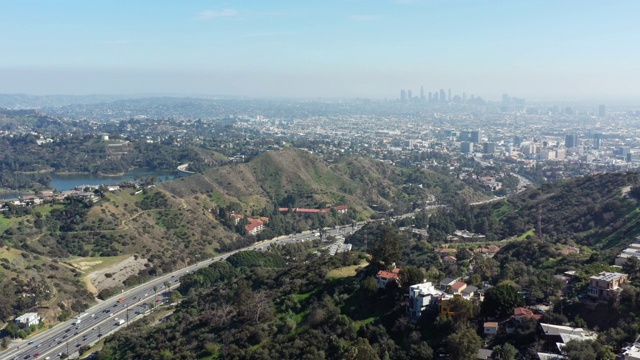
[28, 319]
[421, 296]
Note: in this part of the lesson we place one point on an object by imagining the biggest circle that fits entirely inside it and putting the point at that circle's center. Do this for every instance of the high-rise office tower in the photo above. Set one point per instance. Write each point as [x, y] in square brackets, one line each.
[597, 141]
[422, 93]
[403, 95]
[466, 147]
[602, 110]
[435, 97]
[571, 140]
[475, 136]
[489, 148]
[464, 97]
[430, 99]
[449, 98]
[409, 94]
[443, 96]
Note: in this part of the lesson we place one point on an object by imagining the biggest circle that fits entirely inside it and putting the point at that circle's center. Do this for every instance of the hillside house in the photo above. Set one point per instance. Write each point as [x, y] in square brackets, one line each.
[421, 297]
[605, 284]
[561, 335]
[491, 328]
[447, 282]
[632, 352]
[520, 313]
[28, 319]
[341, 209]
[385, 277]
[458, 287]
[254, 227]
[449, 260]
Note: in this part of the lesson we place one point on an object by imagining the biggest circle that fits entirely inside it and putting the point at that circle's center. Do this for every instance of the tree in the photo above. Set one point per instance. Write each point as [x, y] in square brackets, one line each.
[411, 275]
[370, 284]
[588, 350]
[363, 350]
[505, 352]
[5, 342]
[387, 247]
[499, 301]
[155, 295]
[175, 296]
[631, 267]
[463, 309]
[464, 344]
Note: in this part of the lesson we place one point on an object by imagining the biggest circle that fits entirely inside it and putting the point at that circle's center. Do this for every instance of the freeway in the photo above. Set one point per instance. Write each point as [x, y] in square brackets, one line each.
[104, 318]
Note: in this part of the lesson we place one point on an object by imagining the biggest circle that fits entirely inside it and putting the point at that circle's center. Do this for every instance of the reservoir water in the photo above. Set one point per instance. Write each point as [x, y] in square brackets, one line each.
[69, 181]
[63, 182]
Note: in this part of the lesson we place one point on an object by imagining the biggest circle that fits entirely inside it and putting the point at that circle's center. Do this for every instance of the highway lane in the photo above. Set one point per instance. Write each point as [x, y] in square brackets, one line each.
[100, 319]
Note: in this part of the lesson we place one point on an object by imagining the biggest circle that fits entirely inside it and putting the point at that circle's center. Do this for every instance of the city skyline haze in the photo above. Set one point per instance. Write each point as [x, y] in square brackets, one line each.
[540, 50]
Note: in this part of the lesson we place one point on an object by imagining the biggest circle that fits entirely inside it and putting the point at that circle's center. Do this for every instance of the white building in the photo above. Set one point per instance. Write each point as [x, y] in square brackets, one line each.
[632, 251]
[632, 352]
[421, 296]
[28, 319]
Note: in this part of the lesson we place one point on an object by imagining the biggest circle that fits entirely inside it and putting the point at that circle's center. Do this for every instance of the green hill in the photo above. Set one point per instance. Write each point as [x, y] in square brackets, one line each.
[297, 178]
[595, 211]
[179, 222]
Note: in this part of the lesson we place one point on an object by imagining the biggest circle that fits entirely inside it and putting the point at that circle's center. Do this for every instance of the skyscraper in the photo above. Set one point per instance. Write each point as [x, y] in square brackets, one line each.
[409, 94]
[597, 141]
[602, 110]
[449, 98]
[489, 148]
[475, 136]
[466, 147]
[422, 93]
[571, 140]
[443, 96]
[403, 95]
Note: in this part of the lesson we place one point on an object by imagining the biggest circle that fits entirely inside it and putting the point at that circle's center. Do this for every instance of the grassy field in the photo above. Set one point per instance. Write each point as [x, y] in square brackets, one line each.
[46, 209]
[346, 271]
[10, 254]
[7, 223]
[91, 264]
[531, 232]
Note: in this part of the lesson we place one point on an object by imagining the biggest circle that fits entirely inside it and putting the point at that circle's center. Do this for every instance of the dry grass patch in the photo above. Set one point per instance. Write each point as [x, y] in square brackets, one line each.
[91, 264]
[346, 271]
[9, 254]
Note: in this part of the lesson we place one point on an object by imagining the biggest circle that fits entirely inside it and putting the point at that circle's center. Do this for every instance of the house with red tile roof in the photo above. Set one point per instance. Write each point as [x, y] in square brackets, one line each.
[254, 227]
[341, 209]
[384, 277]
[520, 313]
[458, 286]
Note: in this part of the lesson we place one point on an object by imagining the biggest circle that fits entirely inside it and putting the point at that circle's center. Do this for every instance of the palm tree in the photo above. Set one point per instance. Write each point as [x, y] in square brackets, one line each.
[155, 295]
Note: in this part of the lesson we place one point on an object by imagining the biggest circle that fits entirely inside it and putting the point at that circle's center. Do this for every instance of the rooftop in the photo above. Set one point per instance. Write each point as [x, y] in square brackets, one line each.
[607, 276]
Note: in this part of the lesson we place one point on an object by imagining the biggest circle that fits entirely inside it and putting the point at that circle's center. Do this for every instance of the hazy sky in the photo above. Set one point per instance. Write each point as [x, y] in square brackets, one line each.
[344, 48]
